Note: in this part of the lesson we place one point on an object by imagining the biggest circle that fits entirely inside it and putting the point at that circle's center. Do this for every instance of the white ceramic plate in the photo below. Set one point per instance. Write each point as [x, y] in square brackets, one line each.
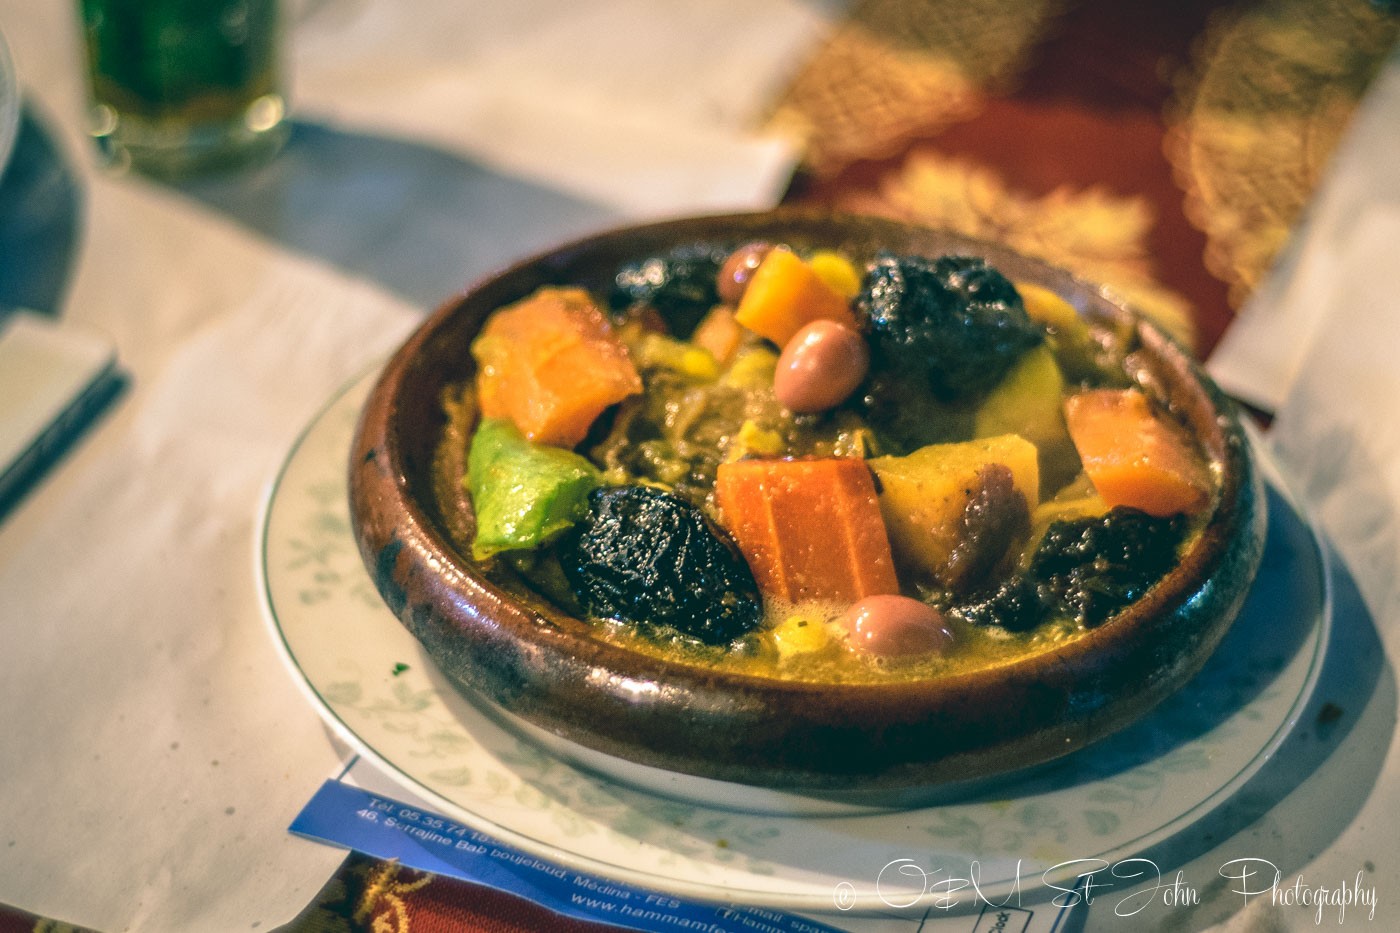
[373, 684]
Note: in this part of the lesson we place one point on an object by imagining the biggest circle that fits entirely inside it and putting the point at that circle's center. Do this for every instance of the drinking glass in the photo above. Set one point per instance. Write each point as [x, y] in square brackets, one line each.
[179, 87]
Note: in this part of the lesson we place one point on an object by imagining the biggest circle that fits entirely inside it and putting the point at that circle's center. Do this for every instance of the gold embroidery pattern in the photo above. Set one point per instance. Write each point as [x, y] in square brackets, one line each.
[897, 68]
[383, 900]
[1256, 118]
[1090, 232]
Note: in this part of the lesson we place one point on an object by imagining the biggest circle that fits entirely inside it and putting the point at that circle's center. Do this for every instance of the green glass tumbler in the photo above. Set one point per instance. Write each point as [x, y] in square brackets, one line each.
[182, 87]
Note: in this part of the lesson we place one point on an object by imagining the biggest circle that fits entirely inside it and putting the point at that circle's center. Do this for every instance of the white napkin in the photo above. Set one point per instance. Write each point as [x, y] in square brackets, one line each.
[155, 748]
[638, 105]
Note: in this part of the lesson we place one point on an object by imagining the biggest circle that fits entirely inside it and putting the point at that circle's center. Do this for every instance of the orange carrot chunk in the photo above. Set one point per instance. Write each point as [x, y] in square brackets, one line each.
[1133, 456]
[719, 333]
[785, 294]
[551, 364]
[810, 529]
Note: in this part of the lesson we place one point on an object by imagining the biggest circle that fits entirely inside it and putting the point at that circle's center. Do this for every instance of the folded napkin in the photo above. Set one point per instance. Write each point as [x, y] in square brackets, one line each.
[639, 105]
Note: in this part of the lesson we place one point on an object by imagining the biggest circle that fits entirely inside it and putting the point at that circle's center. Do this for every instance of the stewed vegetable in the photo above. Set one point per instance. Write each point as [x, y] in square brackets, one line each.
[828, 467]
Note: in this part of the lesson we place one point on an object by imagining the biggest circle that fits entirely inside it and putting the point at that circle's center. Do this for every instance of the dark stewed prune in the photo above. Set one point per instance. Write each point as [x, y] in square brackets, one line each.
[1014, 604]
[1092, 567]
[1086, 570]
[649, 558]
[955, 321]
[681, 284]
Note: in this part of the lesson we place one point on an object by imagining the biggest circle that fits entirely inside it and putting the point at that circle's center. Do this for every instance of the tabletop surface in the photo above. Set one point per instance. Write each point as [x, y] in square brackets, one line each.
[1214, 163]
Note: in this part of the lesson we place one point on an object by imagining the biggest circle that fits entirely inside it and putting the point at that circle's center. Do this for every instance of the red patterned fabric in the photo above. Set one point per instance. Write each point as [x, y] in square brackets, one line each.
[378, 897]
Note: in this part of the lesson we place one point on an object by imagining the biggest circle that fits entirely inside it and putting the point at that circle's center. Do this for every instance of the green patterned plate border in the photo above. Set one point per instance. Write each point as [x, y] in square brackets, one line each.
[374, 686]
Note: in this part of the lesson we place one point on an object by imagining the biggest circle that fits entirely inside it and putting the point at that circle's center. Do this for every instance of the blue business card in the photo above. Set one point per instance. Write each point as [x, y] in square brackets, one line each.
[389, 829]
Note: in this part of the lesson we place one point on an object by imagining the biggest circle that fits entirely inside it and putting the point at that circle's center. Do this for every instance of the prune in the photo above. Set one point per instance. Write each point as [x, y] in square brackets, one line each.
[1014, 604]
[681, 284]
[955, 321]
[1085, 570]
[649, 558]
[1093, 567]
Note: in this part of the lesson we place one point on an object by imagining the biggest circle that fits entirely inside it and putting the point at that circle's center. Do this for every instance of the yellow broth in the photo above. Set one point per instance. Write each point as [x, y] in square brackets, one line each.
[697, 416]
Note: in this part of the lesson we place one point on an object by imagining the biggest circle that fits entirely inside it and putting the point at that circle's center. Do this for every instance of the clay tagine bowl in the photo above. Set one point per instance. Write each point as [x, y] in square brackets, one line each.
[508, 649]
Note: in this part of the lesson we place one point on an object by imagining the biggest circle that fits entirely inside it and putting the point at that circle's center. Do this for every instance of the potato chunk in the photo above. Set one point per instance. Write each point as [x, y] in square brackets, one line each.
[1030, 402]
[954, 510]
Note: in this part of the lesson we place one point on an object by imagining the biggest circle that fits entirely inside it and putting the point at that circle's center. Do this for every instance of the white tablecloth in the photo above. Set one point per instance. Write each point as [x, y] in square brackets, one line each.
[154, 749]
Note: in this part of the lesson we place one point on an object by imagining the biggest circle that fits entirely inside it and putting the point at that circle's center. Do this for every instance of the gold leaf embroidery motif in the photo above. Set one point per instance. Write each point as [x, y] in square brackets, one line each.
[896, 68]
[1257, 118]
[1090, 232]
[383, 899]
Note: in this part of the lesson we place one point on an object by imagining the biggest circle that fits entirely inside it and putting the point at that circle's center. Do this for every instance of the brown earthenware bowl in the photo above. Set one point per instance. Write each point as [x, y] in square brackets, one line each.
[506, 647]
